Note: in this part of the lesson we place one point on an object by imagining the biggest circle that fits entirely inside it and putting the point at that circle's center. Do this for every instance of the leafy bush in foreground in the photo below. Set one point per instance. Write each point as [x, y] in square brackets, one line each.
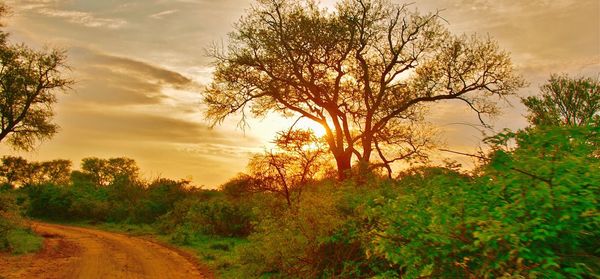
[533, 213]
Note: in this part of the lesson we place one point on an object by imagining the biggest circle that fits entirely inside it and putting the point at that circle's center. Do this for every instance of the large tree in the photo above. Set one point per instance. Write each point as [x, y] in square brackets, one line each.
[364, 70]
[29, 80]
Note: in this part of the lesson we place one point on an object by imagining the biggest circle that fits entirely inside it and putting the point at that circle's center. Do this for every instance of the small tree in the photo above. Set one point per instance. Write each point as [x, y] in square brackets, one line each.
[565, 101]
[298, 160]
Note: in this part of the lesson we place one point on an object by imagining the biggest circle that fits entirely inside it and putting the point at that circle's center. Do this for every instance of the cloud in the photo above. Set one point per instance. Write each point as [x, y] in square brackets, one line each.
[120, 81]
[121, 125]
[163, 14]
[84, 18]
[121, 98]
[221, 150]
[143, 69]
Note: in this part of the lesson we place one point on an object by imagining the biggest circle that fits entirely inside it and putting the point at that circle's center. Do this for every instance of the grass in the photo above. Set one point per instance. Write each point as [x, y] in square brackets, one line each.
[218, 253]
[23, 241]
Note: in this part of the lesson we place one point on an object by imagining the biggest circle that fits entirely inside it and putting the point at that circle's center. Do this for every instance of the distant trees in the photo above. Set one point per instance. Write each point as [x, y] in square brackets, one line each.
[104, 172]
[364, 71]
[29, 80]
[14, 170]
[17, 171]
[565, 101]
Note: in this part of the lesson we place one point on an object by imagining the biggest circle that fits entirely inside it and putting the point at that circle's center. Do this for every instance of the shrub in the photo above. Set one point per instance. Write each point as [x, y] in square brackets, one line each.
[14, 235]
[295, 243]
[220, 217]
[49, 201]
[532, 213]
[159, 198]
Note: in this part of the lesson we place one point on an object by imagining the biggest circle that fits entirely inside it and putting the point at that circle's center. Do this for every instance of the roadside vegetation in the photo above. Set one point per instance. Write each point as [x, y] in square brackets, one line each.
[15, 235]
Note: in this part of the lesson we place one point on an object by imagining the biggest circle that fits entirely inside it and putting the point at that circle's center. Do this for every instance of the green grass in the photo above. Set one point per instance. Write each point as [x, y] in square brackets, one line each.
[218, 253]
[23, 241]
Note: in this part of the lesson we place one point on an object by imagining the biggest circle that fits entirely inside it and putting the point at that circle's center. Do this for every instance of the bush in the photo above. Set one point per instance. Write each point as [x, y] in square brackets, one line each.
[9, 218]
[160, 197]
[424, 229]
[532, 213]
[49, 201]
[220, 217]
[89, 202]
[296, 243]
[14, 235]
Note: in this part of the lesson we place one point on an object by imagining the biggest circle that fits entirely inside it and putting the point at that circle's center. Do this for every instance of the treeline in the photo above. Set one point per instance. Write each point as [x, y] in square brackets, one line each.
[106, 190]
[103, 190]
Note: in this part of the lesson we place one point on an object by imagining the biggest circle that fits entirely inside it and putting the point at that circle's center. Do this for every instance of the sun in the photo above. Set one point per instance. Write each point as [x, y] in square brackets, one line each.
[311, 125]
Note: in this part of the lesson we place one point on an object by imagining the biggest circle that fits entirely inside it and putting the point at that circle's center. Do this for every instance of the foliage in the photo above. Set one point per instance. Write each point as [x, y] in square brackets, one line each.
[310, 240]
[161, 196]
[104, 190]
[107, 171]
[565, 101]
[48, 201]
[550, 201]
[15, 235]
[533, 213]
[17, 171]
[215, 216]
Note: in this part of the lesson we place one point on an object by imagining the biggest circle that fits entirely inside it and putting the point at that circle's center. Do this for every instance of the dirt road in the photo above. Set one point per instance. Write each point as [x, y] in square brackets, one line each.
[74, 252]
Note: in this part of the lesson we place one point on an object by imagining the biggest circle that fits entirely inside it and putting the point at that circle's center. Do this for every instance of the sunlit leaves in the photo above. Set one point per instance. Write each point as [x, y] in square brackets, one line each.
[532, 212]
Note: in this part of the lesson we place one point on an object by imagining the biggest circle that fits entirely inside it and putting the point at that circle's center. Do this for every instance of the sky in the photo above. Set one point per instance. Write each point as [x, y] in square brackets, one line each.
[140, 66]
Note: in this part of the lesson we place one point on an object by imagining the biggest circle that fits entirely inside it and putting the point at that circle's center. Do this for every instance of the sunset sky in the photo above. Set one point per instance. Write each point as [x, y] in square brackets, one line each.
[140, 65]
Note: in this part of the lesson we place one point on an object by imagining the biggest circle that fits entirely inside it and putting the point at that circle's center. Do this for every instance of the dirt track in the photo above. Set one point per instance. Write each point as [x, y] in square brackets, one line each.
[73, 252]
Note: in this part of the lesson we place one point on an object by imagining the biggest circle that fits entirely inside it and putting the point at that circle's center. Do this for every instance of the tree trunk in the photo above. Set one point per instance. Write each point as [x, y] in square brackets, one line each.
[364, 163]
[344, 164]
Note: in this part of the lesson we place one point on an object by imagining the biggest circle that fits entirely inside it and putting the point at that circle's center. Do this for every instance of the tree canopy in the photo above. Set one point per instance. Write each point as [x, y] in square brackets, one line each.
[365, 71]
[29, 80]
[16, 171]
[565, 101]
